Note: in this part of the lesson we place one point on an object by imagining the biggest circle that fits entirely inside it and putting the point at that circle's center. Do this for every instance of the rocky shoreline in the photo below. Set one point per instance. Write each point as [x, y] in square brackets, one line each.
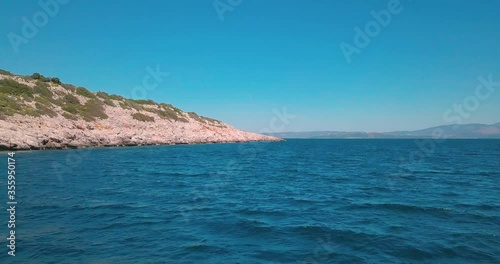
[30, 133]
[53, 144]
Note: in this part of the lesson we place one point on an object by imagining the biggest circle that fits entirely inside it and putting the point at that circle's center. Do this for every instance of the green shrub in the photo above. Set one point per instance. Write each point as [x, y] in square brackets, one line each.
[71, 99]
[127, 104]
[26, 98]
[93, 109]
[43, 90]
[43, 110]
[204, 119]
[124, 106]
[143, 102]
[167, 112]
[211, 120]
[170, 107]
[11, 87]
[44, 101]
[38, 76]
[102, 95]
[116, 97]
[143, 118]
[182, 119]
[173, 115]
[194, 116]
[108, 102]
[42, 84]
[8, 106]
[70, 109]
[26, 78]
[55, 80]
[31, 112]
[69, 87]
[84, 92]
[4, 72]
[105, 98]
[69, 116]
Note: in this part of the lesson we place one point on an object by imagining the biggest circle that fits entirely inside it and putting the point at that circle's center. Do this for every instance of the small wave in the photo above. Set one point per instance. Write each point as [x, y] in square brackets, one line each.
[52, 247]
[311, 229]
[376, 189]
[450, 194]
[44, 206]
[117, 206]
[344, 236]
[486, 207]
[116, 225]
[291, 170]
[199, 247]
[436, 172]
[252, 212]
[255, 226]
[174, 174]
[303, 201]
[406, 208]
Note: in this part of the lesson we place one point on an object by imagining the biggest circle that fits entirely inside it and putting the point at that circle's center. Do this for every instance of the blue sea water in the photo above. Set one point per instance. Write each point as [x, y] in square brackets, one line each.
[299, 201]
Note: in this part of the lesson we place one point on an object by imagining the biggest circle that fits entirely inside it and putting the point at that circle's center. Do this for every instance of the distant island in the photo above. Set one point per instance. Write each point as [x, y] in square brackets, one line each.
[463, 131]
[37, 112]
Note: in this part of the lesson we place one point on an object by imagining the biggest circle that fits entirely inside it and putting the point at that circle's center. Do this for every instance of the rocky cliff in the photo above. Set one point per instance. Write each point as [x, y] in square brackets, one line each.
[43, 113]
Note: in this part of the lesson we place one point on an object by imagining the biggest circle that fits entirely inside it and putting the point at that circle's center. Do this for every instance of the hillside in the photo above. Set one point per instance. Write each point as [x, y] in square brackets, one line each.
[455, 131]
[449, 131]
[37, 112]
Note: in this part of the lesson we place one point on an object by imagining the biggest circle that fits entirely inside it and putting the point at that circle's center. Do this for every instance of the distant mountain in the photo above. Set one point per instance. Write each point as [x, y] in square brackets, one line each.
[327, 134]
[447, 131]
[455, 131]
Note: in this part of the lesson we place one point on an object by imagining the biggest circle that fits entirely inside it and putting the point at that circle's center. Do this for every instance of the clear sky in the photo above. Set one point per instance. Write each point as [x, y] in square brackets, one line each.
[269, 54]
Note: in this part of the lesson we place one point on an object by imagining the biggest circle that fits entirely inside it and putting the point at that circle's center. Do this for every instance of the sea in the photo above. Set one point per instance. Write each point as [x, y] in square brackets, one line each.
[297, 201]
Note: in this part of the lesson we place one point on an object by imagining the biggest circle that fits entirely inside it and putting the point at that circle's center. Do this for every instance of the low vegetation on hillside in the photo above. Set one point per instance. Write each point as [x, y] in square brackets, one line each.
[143, 118]
[37, 95]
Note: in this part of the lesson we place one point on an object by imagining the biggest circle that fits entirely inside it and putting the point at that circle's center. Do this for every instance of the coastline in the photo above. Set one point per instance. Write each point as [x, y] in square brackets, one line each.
[5, 150]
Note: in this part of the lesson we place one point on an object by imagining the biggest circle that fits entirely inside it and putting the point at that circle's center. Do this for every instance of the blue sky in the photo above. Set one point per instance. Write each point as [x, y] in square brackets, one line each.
[268, 55]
